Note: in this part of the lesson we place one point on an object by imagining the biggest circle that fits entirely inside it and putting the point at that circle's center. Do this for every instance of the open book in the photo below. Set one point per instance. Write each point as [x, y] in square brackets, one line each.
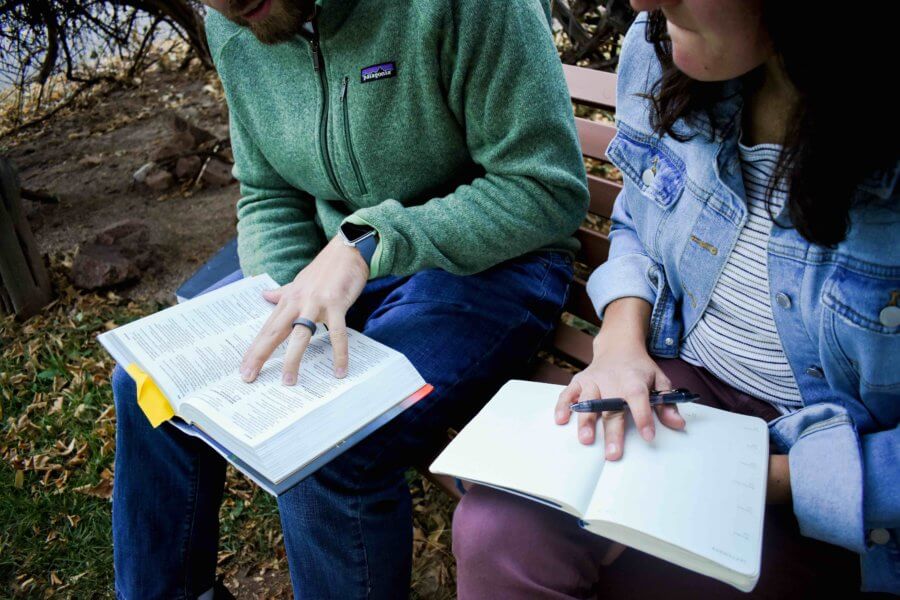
[695, 497]
[276, 435]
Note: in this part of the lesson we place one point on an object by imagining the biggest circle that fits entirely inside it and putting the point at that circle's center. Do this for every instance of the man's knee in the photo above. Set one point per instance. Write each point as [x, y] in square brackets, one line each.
[124, 391]
[128, 413]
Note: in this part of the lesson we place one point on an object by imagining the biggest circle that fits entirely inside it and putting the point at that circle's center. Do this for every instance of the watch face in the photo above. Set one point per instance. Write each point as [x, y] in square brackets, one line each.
[354, 232]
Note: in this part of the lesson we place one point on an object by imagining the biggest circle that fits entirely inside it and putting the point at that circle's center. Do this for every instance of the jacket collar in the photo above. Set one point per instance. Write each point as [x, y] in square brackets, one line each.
[331, 15]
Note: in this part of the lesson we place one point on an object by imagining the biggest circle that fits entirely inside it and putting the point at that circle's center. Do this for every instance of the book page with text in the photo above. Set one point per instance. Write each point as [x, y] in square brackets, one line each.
[188, 346]
[701, 489]
[254, 413]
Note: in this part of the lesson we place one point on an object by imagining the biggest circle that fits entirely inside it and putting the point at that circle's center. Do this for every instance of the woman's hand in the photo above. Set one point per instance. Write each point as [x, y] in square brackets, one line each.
[616, 374]
[621, 368]
[323, 291]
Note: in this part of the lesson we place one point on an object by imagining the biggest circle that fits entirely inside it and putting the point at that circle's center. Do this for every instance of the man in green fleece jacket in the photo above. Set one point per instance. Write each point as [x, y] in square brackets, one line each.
[410, 169]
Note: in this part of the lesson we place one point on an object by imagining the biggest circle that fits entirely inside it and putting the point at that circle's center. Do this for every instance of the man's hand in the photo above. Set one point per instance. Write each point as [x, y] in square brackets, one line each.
[323, 291]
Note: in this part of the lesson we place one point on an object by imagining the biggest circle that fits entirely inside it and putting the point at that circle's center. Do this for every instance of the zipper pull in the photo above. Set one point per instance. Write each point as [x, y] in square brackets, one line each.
[314, 45]
[344, 89]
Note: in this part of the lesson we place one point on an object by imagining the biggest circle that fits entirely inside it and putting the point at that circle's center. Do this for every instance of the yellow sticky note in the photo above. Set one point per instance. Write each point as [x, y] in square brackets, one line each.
[151, 400]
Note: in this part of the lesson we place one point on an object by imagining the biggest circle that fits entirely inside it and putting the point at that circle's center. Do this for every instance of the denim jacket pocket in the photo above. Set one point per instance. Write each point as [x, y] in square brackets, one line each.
[649, 164]
[862, 327]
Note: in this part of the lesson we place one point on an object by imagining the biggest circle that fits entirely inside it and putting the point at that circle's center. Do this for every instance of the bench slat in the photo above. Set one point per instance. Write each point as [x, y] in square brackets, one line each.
[594, 137]
[590, 87]
[580, 303]
[574, 343]
[603, 194]
[594, 246]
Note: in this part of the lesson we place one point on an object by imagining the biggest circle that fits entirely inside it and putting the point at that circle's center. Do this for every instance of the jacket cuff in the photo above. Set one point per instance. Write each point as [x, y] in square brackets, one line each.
[826, 473]
[626, 276]
[377, 264]
[881, 457]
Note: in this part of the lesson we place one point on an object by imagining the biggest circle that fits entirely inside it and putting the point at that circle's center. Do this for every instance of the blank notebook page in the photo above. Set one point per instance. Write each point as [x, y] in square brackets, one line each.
[702, 489]
[515, 443]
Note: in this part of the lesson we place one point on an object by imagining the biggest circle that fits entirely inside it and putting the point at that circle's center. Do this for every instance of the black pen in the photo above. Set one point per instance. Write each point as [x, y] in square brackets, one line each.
[676, 396]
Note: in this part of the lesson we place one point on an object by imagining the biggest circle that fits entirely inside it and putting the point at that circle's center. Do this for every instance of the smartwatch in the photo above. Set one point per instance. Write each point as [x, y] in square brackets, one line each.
[362, 237]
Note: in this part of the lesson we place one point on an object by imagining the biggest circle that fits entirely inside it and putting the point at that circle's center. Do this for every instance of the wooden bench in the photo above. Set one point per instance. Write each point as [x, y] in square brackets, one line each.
[592, 89]
[571, 345]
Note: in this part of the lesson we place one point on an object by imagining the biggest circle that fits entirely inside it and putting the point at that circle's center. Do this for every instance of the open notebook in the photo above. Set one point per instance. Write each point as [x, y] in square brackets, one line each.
[185, 361]
[695, 498]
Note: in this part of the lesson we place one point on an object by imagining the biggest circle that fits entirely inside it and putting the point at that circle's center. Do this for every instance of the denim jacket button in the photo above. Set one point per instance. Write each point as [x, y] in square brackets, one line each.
[880, 536]
[890, 316]
[783, 300]
[669, 341]
[815, 372]
[648, 176]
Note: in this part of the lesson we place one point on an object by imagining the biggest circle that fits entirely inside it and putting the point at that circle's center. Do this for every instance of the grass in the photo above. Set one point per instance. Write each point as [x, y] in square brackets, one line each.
[57, 442]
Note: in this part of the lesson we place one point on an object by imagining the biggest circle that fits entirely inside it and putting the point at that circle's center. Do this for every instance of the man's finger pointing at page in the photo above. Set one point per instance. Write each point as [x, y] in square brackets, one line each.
[337, 331]
[277, 327]
[297, 344]
[273, 296]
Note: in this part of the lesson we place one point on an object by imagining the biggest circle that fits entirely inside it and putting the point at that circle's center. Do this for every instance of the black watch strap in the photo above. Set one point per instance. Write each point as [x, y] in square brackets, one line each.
[362, 237]
[367, 248]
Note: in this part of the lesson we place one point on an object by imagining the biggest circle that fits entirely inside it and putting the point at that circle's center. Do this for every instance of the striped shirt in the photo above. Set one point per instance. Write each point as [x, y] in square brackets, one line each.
[735, 338]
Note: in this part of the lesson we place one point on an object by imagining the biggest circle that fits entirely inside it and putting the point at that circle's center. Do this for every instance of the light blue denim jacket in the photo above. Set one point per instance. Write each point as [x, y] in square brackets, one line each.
[674, 225]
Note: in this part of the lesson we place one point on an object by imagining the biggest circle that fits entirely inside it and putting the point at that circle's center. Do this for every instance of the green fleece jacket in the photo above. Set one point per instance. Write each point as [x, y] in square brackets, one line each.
[444, 124]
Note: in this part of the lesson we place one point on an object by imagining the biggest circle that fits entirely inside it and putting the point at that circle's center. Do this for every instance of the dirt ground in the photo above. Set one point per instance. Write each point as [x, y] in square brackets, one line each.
[86, 157]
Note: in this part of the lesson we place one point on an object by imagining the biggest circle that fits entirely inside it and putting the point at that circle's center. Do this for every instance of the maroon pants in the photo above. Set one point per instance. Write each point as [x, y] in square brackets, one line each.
[508, 547]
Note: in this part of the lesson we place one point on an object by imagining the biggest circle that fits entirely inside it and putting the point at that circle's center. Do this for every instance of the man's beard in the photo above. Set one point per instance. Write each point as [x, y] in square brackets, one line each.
[284, 21]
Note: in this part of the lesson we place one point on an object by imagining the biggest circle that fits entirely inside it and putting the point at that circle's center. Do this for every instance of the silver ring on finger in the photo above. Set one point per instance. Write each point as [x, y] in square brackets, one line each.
[308, 323]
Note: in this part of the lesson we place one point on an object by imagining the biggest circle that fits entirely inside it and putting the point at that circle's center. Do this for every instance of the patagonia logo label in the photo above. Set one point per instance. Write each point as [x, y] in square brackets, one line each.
[376, 72]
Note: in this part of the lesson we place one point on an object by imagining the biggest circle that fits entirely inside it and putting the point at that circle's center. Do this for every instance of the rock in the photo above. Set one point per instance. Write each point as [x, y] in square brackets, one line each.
[159, 180]
[189, 113]
[153, 177]
[131, 233]
[91, 160]
[217, 173]
[184, 130]
[221, 131]
[171, 149]
[141, 174]
[187, 167]
[184, 138]
[116, 255]
[96, 266]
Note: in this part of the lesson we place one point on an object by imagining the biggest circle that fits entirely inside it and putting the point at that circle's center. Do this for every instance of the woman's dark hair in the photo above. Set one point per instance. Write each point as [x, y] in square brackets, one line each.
[845, 125]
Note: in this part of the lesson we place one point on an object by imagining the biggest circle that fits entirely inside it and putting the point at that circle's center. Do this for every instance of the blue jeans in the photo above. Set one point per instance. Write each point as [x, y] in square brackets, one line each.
[348, 527]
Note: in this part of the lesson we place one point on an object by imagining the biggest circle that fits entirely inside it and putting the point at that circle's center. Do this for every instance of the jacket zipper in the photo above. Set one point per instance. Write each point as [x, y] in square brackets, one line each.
[319, 67]
[356, 170]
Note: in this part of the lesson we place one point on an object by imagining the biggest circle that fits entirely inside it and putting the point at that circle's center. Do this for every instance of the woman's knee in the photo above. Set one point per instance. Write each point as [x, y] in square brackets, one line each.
[521, 548]
[487, 526]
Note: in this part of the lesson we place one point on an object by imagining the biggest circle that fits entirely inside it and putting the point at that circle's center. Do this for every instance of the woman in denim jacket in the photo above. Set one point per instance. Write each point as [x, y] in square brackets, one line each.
[755, 255]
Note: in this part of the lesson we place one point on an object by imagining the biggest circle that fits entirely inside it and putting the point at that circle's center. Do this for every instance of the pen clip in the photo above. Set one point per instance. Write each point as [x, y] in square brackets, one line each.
[673, 396]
